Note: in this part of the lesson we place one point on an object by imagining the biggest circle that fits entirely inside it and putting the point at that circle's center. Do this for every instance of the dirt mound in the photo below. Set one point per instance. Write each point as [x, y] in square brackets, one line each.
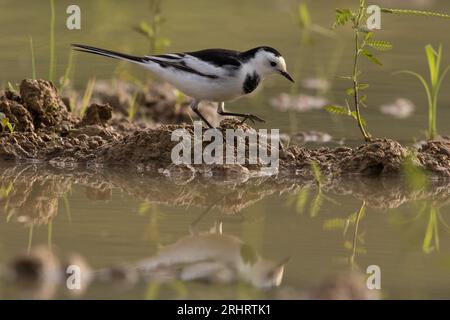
[96, 114]
[381, 156]
[17, 114]
[47, 131]
[435, 156]
[48, 111]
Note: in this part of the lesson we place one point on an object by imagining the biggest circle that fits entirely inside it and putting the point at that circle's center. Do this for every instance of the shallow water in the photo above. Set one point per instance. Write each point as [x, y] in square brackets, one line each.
[121, 218]
[114, 217]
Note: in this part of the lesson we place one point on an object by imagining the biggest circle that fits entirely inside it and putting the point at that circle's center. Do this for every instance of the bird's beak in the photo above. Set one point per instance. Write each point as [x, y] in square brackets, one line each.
[283, 262]
[287, 76]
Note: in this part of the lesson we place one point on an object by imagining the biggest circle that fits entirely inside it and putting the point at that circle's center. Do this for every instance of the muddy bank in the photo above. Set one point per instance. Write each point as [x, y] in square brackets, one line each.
[47, 131]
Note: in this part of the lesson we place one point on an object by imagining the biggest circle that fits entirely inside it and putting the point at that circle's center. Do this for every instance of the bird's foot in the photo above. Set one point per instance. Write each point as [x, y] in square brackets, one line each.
[252, 118]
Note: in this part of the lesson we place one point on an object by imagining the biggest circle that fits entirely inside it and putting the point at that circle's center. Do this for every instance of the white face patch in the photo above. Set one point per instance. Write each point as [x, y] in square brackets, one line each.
[282, 63]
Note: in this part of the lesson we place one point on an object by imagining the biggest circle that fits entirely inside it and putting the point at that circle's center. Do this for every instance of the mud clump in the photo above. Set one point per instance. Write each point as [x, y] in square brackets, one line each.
[96, 114]
[17, 114]
[434, 156]
[41, 99]
[382, 156]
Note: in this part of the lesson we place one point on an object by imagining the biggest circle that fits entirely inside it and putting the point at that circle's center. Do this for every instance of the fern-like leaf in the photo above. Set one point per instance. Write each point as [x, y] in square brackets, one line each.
[379, 45]
[416, 13]
[371, 57]
[342, 111]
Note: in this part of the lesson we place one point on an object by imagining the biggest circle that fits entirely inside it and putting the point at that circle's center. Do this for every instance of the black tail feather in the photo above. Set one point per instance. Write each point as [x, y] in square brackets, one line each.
[108, 53]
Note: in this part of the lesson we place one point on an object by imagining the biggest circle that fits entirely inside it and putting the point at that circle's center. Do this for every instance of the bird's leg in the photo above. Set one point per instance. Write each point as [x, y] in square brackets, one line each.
[245, 116]
[194, 107]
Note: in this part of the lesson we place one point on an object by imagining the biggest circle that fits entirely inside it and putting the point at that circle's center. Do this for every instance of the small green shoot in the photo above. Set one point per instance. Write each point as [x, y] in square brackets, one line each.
[12, 88]
[432, 88]
[65, 79]
[87, 96]
[133, 106]
[5, 124]
[152, 30]
[52, 62]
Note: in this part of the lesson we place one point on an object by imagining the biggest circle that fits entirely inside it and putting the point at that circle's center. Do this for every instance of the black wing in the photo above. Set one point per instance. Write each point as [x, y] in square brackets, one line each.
[218, 57]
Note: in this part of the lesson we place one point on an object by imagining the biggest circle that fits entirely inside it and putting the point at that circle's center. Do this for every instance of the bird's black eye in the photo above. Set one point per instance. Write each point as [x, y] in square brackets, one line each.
[273, 64]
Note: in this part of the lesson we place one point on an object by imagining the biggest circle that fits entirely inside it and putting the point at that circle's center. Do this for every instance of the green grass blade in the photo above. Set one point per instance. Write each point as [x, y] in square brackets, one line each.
[67, 72]
[431, 58]
[422, 80]
[438, 64]
[52, 66]
[439, 83]
[133, 106]
[87, 96]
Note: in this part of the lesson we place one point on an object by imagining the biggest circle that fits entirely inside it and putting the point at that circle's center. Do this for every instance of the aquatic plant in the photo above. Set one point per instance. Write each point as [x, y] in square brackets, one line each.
[363, 43]
[356, 244]
[152, 30]
[432, 88]
[5, 124]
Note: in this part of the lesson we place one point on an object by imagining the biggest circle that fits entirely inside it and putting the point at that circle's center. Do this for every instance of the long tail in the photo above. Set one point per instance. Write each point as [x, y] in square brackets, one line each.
[110, 54]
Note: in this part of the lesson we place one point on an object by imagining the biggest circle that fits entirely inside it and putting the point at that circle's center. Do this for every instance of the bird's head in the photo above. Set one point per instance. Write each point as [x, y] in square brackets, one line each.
[267, 61]
[265, 274]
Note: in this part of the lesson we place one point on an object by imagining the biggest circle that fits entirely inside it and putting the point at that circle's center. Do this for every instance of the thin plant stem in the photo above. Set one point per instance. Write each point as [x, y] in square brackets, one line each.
[51, 72]
[364, 132]
[66, 76]
[49, 235]
[30, 238]
[67, 207]
[355, 234]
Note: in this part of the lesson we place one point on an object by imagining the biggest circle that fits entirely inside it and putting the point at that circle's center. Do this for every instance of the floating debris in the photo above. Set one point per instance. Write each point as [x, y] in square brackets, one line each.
[319, 84]
[298, 103]
[400, 109]
[300, 138]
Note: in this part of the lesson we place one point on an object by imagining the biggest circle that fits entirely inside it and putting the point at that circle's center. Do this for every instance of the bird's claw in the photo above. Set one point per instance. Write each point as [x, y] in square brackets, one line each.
[252, 118]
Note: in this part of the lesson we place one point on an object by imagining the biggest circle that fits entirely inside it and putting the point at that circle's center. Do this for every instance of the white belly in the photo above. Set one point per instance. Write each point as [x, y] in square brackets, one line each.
[200, 87]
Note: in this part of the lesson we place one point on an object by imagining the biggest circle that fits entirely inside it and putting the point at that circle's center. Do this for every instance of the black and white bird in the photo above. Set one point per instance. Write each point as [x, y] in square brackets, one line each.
[216, 75]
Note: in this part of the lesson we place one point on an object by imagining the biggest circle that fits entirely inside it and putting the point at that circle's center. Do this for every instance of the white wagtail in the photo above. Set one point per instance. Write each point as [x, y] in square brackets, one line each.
[216, 75]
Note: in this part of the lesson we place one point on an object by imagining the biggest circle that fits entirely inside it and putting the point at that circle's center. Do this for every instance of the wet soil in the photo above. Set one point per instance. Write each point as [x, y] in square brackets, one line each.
[46, 131]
